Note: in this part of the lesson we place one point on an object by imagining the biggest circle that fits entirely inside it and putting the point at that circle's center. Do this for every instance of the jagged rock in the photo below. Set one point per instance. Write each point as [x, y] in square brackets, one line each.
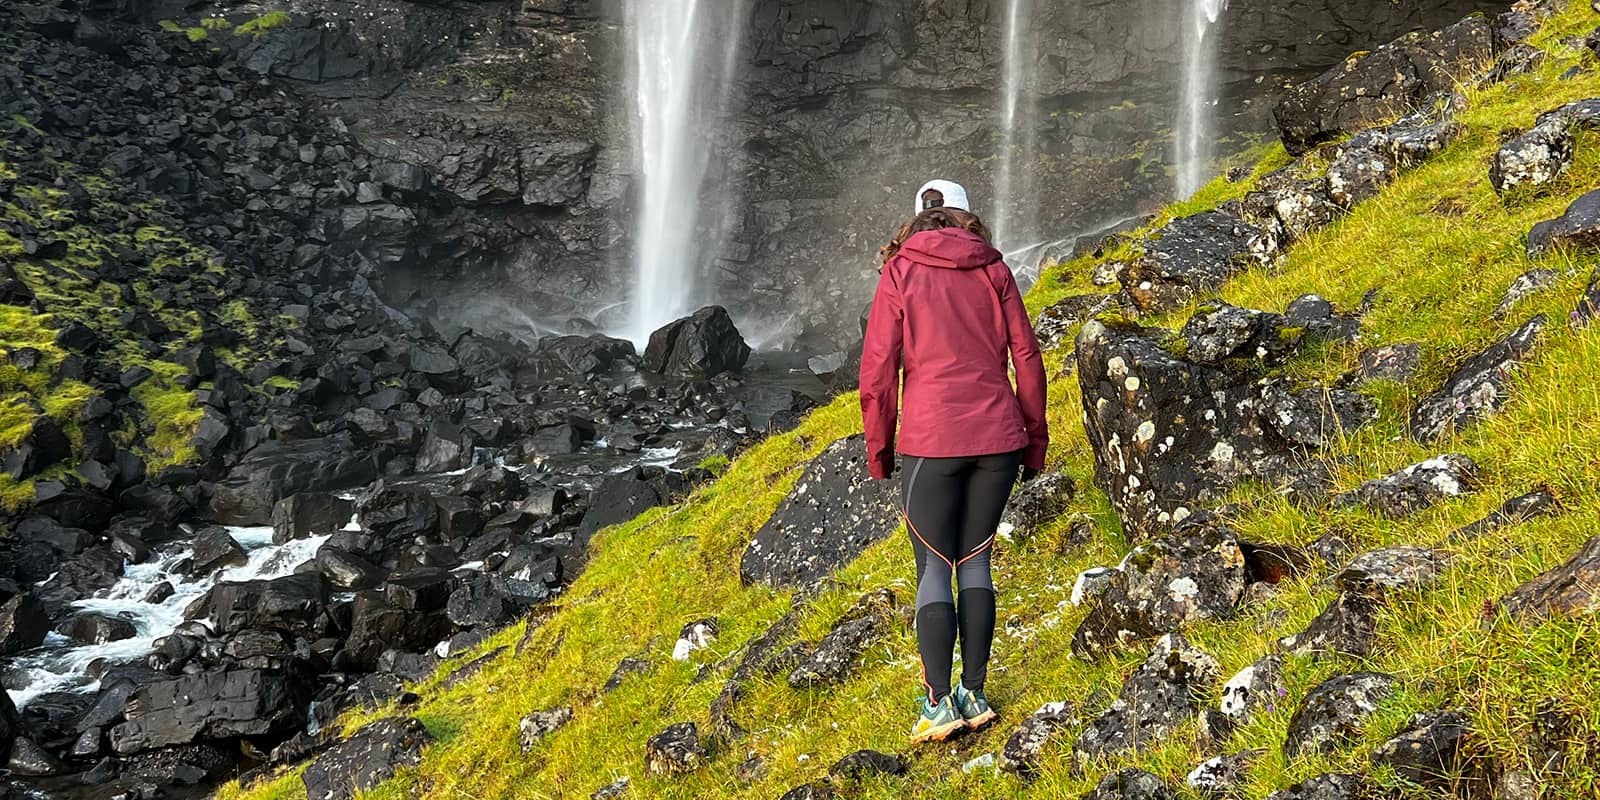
[277, 469]
[1397, 567]
[1577, 229]
[1543, 152]
[1169, 435]
[211, 705]
[1371, 86]
[696, 635]
[620, 498]
[294, 604]
[23, 624]
[1036, 504]
[1163, 585]
[1429, 749]
[348, 571]
[540, 724]
[1024, 751]
[1258, 686]
[30, 760]
[1349, 625]
[701, 345]
[1323, 787]
[1193, 256]
[190, 765]
[1569, 590]
[368, 758]
[1393, 362]
[1092, 584]
[1219, 332]
[1416, 487]
[1479, 388]
[864, 764]
[376, 625]
[423, 589]
[1130, 784]
[839, 654]
[1297, 205]
[1055, 323]
[1335, 711]
[1163, 693]
[42, 446]
[1222, 775]
[1538, 503]
[214, 549]
[833, 514]
[1525, 285]
[309, 514]
[481, 601]
[674, 751]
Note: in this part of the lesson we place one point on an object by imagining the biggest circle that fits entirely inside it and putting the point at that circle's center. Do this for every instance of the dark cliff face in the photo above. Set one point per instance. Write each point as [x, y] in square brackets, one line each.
[517, 112]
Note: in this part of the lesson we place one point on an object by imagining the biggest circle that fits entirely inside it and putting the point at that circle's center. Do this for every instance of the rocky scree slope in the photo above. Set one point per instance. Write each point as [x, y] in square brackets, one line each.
[1377, 579]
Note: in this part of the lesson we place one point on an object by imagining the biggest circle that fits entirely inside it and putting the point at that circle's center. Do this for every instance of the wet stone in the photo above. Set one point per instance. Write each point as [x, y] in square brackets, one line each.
[1416, 487]
[612, 790]
[1158, 697]
[1336, 711]
[1479, 388]
[674, 751]
[1534, 158]
[1193, 256]
[628, 666]
[839, 654]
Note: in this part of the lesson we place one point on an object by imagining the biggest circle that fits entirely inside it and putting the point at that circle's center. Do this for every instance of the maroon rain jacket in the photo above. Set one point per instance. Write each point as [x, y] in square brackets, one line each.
[948, 308]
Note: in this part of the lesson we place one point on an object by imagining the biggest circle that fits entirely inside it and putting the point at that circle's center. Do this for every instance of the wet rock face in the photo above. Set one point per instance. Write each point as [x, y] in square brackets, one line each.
[1130, 784]
[211, 705]
[1336, 711]
[1024, 750]
[1578, 228]
[1569, 590]
[1163, 585]
[1479, 388]
[1429, 749]
[368, 758]
[834, 513]
[23, 624]
[1163, 693]
[701, 345]
[1170, 434]
[674, 751]
[1416, 487]
[1371, 86]
[1193, 256]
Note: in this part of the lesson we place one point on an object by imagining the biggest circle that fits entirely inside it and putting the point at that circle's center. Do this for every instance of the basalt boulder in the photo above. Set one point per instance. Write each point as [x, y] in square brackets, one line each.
[276, 470]
[1157, 698]
[1333, 786]
[211, 705]
[701, 345]
[1130, 784]
[1577, 229]
[1571, 589]
[830, 517]
[1479, 388]
[23, 624]
[1194, 256]
[1542, 153]
[1416, 487]
[294, 604]
[674, 751]
[1195, 574]
[1430, 749]
[1335, 711]
[368, 758]
[1023, 753]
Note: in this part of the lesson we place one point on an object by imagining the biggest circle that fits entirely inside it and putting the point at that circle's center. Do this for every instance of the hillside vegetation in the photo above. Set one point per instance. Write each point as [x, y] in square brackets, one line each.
[1439, 246]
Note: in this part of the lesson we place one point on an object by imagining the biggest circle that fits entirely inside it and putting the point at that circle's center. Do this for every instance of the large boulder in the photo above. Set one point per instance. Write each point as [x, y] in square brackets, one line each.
[213, 549]
[1161, 695]
[218, 704]
[294, 604]
[1198, 573]
[1479, 388]
[833, 514]
[23, 624]
[1571, 589]
[41, 446]
[704, 344]
[1430, 749]
[368, 758]
[1193, 256]
[1170, 434]
[308, 514]
[278, 469]
[1543, 152]
[1372, 86]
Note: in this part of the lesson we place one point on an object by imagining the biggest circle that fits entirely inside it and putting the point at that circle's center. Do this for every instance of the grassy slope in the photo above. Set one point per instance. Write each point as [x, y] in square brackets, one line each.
[1439, 245]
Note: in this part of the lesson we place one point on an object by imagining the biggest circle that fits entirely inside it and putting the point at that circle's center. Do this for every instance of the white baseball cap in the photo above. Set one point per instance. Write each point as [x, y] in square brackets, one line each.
[955, 195]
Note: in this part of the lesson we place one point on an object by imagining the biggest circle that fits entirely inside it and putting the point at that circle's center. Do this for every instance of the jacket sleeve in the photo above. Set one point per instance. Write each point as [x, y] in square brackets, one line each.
[880, 374]
[1029, 366]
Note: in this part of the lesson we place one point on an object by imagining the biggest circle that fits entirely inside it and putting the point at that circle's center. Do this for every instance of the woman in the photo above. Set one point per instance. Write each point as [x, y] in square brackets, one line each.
[947, 307]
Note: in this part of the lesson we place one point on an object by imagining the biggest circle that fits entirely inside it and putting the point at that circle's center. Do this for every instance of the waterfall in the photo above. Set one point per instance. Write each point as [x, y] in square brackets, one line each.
[681, 63]
[1194, 131]
[1012, 215]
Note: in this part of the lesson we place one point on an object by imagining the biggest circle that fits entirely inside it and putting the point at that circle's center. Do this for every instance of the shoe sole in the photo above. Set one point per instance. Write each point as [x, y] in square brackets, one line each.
[940, 733]
[983, 719]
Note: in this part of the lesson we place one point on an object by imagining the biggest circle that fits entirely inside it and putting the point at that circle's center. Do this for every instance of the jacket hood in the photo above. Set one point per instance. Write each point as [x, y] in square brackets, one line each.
[949, 248]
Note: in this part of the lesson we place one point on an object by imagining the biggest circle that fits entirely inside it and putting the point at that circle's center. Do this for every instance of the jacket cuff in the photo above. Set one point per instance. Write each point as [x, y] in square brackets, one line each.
[880, 469]
[1033, 456]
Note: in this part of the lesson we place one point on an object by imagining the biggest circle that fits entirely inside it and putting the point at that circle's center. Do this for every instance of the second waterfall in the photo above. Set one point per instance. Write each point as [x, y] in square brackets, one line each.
[682, 57]
[1201, 32]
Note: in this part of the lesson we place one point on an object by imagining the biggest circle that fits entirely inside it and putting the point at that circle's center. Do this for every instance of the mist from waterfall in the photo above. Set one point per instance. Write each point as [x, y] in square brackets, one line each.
[1197, 99]
[681, 65]
[1012, 217]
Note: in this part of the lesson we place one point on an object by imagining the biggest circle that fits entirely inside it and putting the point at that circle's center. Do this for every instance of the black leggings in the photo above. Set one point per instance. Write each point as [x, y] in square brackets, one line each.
[952, 507]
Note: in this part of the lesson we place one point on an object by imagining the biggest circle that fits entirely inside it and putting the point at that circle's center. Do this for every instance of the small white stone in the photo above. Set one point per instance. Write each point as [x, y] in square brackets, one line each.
[1131, 384]
[1146, 431]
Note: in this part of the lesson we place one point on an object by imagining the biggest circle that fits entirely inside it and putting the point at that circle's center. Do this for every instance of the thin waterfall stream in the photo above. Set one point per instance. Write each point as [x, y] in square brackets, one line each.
[1193, 145]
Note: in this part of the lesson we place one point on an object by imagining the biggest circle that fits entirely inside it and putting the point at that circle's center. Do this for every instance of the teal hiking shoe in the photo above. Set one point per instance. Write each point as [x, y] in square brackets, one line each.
[974, 707]
[938, 721]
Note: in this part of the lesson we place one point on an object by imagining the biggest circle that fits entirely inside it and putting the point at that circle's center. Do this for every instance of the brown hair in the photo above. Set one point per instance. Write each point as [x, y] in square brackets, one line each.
[931, 220]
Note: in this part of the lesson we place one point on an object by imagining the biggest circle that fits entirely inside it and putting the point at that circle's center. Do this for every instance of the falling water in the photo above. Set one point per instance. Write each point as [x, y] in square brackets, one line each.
[1194, 134]
[680, 85]
[1013, 195]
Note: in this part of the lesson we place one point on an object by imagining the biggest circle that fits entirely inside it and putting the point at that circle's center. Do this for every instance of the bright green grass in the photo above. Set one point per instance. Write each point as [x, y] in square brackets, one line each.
[1439, 247]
